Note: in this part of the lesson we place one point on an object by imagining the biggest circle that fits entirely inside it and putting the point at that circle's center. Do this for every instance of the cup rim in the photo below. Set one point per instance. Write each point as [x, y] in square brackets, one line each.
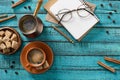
[35, 19]
[36, 65]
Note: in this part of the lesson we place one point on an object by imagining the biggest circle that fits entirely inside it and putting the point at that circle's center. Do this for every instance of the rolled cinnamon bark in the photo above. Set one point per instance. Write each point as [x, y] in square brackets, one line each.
[7, 18]
[106, 66]
[112, 60]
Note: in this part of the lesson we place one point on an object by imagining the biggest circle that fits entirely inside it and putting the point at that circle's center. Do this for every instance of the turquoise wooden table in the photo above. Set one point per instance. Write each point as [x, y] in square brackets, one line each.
[76, 61]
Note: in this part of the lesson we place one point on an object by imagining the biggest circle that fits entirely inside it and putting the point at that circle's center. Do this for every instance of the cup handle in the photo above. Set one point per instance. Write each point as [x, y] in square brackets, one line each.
[28, 65]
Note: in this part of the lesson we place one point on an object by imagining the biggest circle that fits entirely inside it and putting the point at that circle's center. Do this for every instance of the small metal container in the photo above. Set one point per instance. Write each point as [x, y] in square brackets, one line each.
[31, 26]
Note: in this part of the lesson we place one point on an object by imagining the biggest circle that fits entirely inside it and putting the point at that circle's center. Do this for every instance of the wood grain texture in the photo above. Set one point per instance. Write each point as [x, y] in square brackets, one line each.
[60, 75]
[104, 21]
[76, 61]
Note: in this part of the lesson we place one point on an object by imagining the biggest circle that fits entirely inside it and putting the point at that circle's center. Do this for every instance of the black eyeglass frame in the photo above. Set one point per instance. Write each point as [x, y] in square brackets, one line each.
[70, 11]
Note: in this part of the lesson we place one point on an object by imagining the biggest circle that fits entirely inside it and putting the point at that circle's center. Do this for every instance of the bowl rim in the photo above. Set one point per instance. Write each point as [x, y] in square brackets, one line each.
[18, 36]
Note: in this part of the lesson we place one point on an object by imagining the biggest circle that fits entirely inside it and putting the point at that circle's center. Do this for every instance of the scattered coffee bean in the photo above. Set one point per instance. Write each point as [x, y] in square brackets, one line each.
[11, 66]
[101, 5]
[5, 71]
[114, 21]
[109, 17]
[16, 73]
[29, 7]
[13, 62]
[12, 2]
[110, 4]
[25, 7]
[115, 10]
[107, 32]
[110, 13]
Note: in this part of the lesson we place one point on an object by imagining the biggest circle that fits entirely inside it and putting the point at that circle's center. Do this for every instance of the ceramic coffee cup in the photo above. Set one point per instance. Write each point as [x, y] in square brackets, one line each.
[35, 57]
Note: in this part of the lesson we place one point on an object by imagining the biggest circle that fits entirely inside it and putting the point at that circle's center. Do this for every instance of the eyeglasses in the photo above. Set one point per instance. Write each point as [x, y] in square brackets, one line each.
[65, 15]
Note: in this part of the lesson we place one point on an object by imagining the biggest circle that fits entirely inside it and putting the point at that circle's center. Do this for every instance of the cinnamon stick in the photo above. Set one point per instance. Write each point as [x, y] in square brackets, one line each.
[106, 66]
[4, 15]
[63, 34]
[18, 3]
[10, 17]
[112, 60]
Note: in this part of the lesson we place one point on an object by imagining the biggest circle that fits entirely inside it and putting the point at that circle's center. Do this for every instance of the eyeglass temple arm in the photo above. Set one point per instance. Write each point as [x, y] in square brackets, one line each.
[62, 17]
[86, 10]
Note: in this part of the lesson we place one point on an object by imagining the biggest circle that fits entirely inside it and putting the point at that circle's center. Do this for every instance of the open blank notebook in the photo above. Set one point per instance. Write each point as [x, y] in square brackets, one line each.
[77, 26]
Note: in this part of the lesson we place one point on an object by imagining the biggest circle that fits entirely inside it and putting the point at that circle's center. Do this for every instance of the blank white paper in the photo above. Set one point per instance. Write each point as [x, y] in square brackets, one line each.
[77, 26]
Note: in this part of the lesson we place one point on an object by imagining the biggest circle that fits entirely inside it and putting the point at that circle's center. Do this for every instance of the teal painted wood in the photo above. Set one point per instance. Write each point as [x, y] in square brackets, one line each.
[61, 75]
[96, 35]
[104, 21]
[20, 9]
[65, 63]
[72, 61]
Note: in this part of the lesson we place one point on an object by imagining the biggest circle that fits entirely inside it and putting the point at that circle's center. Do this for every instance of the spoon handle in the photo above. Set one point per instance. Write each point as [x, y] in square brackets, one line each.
[38, 7]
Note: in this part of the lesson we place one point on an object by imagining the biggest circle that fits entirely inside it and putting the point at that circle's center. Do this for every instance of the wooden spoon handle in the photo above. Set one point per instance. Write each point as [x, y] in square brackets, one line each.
[38, 7]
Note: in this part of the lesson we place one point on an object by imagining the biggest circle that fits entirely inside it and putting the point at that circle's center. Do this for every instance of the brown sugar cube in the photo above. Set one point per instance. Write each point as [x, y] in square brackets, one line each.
[8, 44]
[46, 65]
[2, 46]
[8, 33]
[14, 44]
[14, 37]
[0, 39]
[6, 50]
[2, 33]
[5, 38]
[39, 68]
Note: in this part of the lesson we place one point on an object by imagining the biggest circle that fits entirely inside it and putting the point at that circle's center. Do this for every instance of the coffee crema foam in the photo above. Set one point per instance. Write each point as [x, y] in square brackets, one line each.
[35, 56]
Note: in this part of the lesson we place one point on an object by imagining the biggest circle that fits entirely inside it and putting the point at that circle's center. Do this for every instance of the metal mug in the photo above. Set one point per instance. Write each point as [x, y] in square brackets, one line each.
[30, 25]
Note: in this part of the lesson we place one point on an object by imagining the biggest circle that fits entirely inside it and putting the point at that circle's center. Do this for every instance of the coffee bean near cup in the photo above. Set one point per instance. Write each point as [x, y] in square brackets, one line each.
[30, 25]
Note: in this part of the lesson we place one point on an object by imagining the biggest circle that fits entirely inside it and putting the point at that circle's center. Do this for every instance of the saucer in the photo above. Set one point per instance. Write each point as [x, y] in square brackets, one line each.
[45, 48]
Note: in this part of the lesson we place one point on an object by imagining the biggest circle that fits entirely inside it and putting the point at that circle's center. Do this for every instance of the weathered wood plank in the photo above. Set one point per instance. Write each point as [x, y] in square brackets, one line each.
[64, 63]
[68, 56]
[106, 8]
[78, 49]
[60, 75]
[104, 21]
[100, 35]
[72, 61]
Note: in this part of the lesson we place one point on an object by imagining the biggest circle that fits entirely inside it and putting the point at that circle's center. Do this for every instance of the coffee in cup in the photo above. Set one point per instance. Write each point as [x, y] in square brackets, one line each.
[36, 57]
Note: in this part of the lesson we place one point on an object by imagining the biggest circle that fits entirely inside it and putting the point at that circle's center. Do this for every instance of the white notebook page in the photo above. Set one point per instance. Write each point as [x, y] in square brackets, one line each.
[77, 26]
